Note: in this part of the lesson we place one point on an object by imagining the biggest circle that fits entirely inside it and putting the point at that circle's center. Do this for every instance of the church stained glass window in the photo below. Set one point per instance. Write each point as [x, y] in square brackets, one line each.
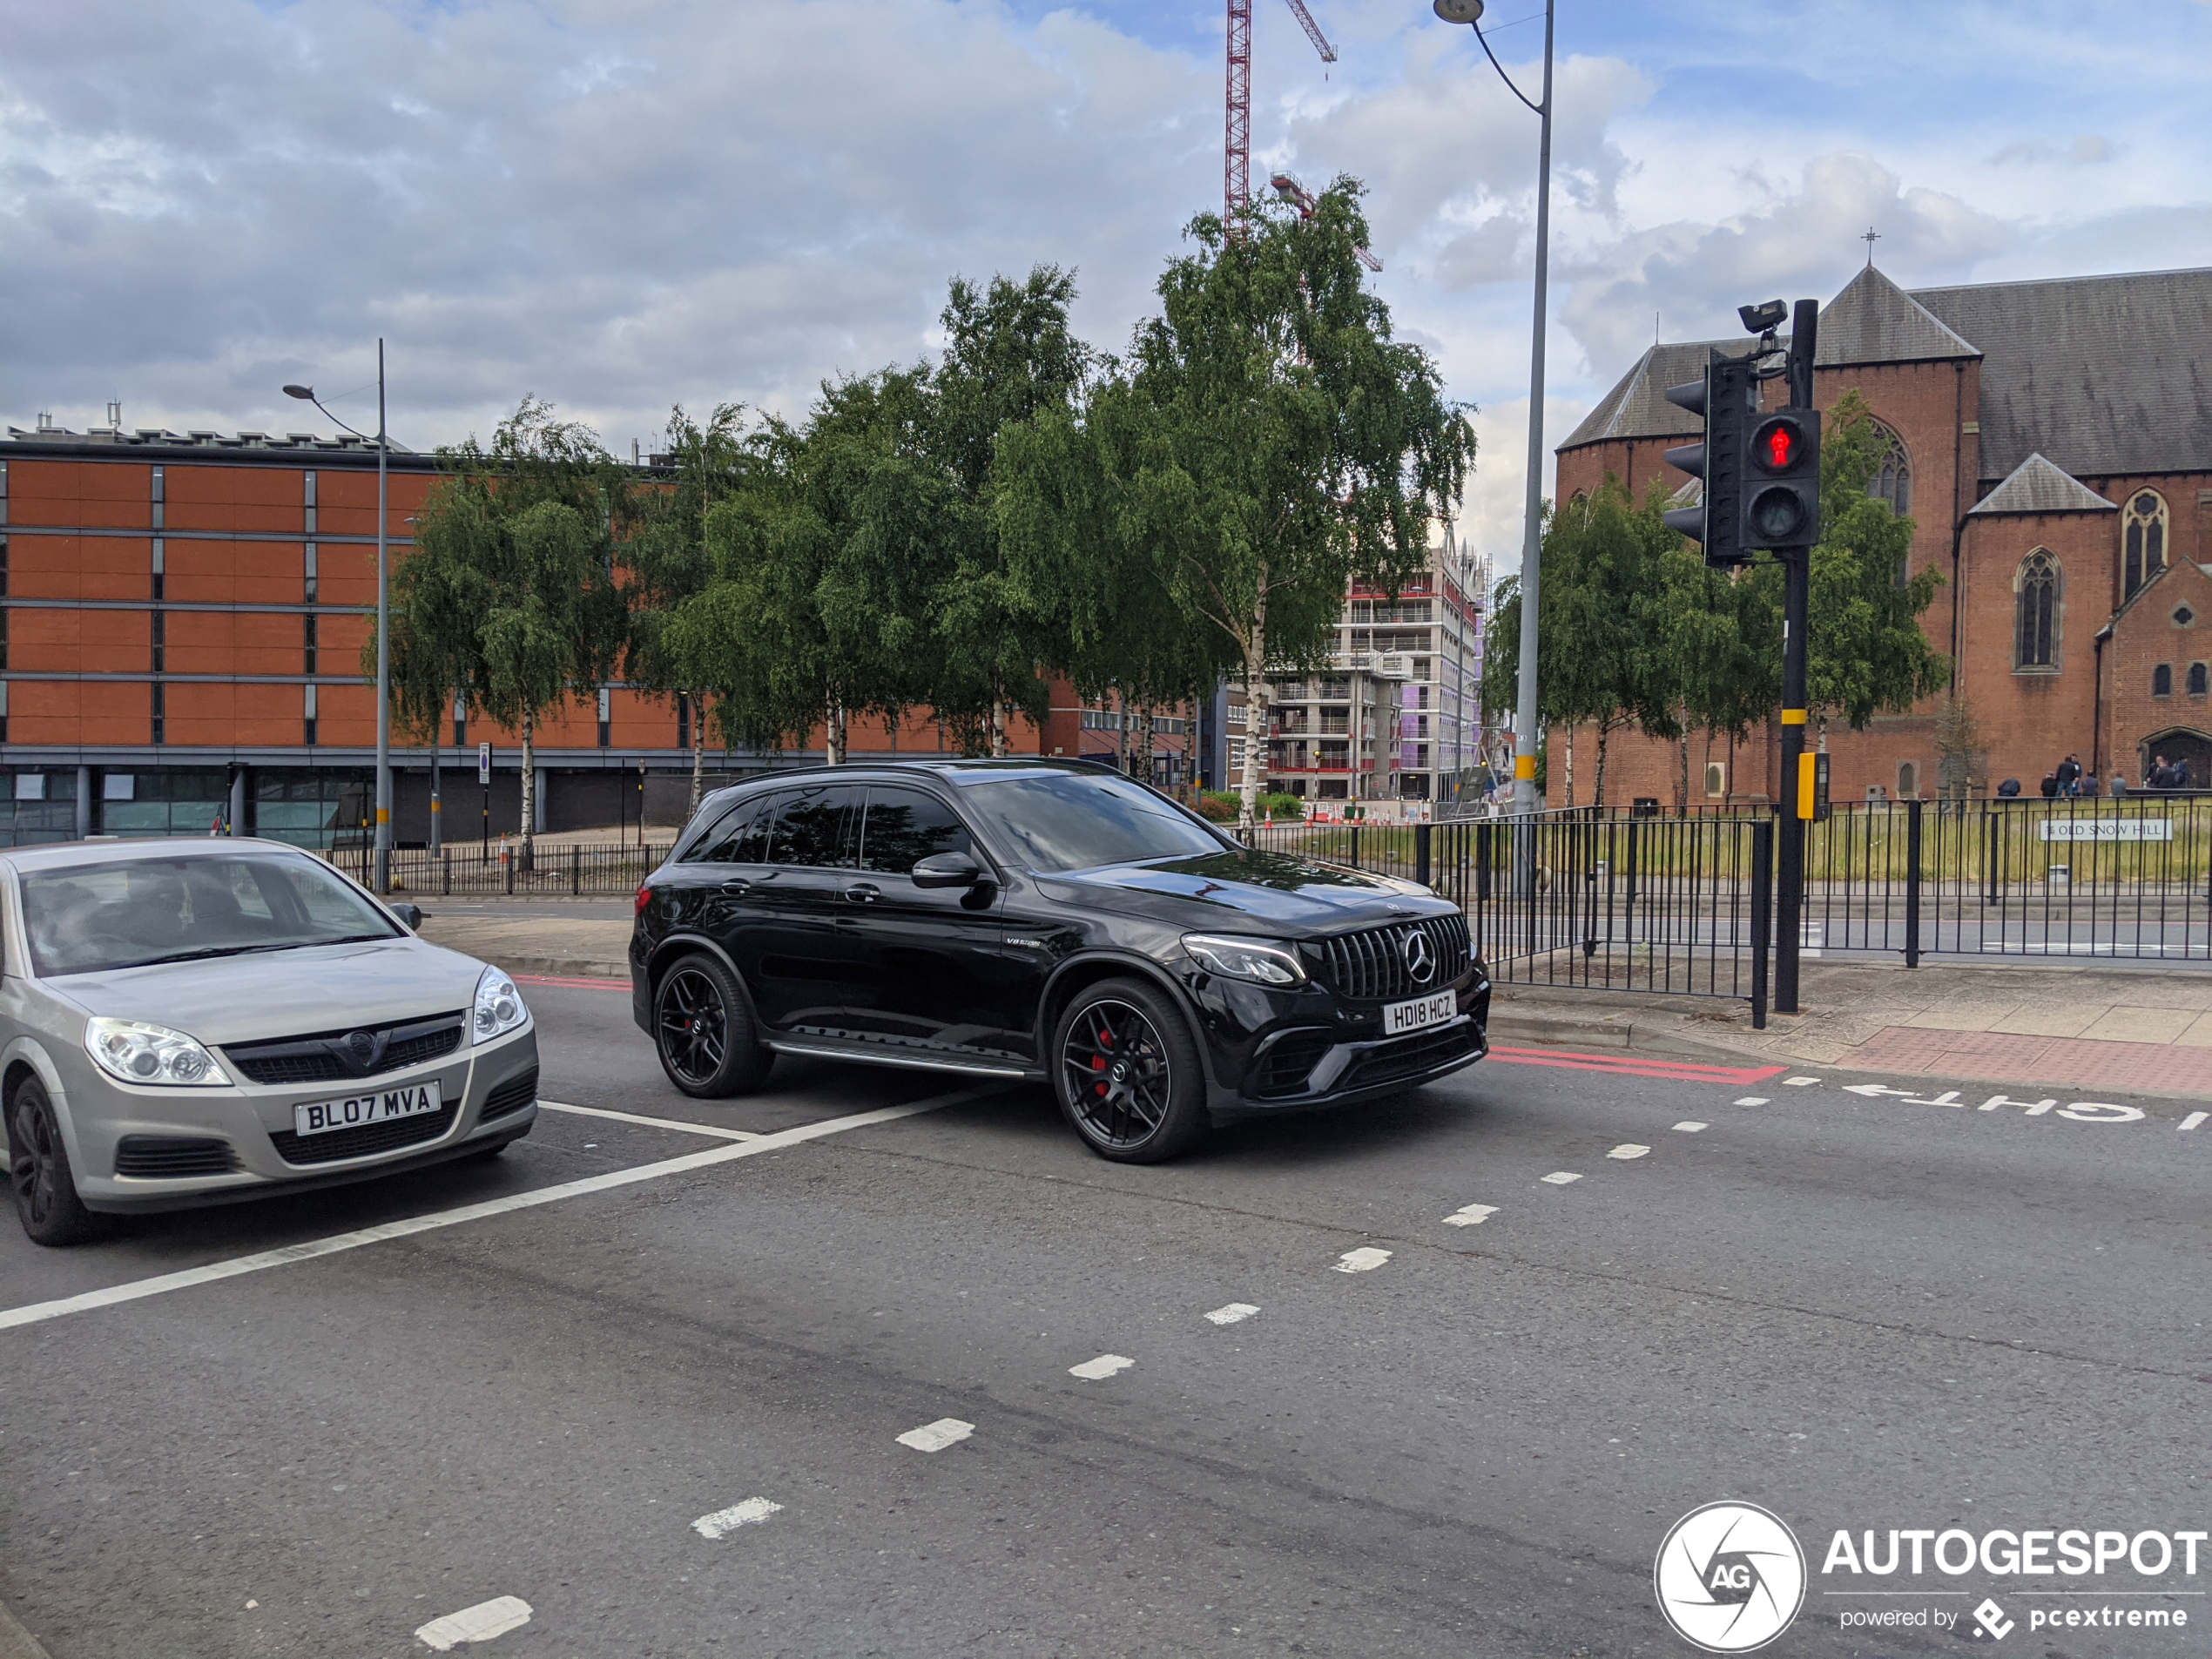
[1892, 480]
[2037, 587]
[2143, 536]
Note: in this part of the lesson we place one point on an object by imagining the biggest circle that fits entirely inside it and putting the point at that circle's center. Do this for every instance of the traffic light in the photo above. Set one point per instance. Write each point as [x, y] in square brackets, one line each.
[1784, 484]
[1726, 398]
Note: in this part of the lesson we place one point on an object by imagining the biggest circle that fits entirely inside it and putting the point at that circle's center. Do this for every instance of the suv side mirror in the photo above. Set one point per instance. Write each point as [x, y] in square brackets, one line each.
[411, 914]
[946, 870]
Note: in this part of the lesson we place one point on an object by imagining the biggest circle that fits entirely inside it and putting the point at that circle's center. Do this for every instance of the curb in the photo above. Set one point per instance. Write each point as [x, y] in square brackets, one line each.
[562, 966]
[16, 1643]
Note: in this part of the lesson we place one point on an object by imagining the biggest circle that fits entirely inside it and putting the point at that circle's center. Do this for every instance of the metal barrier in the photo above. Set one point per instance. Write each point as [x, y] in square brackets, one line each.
[579, 870]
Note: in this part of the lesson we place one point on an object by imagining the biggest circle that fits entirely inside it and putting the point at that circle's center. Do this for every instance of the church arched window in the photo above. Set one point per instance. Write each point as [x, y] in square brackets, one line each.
[1892, 480]
[2143, 536]
[2036, 588]
[2161, 680]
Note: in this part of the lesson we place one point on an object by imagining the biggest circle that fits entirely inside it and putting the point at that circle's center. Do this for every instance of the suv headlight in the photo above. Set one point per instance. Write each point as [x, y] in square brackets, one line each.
[1257, 960]
[499, 1007]
[151, 1054]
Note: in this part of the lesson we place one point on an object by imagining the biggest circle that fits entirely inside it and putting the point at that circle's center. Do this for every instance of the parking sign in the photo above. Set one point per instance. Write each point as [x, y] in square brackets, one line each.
[484, 763]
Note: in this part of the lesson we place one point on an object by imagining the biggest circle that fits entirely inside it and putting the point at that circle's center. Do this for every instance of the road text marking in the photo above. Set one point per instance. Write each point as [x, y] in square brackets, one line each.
[1798, 1082]
[1561, 1177]
[478, 1624]
[2194, 1119]
[1691, 1127]
[1472, 1216]
[289, 1254]
[1107, 1365]
[1365, 1259]
[1235, 1313]
[737, 1515]
[935, 1437]
[716, 1132]
[1754, 1100]
[1629, 1150]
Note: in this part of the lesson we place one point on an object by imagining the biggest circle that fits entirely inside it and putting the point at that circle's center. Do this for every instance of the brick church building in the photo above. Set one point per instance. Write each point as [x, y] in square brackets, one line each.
[2053, 443]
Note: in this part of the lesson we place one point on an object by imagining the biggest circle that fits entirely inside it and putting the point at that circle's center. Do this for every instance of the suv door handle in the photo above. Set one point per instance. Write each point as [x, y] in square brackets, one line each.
[735, 889]
[864, 893]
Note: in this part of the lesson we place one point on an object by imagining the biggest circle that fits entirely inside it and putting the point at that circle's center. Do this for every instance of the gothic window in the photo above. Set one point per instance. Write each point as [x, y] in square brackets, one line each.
[1892, 480]
[2161, 680]
[2198, 685]
[2143, 540]
[2036, 586]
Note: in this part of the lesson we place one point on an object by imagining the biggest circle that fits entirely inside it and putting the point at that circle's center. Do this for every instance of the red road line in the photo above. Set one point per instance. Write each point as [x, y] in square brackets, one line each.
[1679, 1071]
[572, 984]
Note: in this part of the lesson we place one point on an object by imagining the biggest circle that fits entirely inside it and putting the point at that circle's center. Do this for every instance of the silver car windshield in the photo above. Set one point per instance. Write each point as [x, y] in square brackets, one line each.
[83, 917]
[1077, 820]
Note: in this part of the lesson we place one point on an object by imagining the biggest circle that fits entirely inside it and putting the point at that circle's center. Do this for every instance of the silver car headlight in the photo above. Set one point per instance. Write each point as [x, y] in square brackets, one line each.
[137, 1053]
[1257, 960]
[499, 1007]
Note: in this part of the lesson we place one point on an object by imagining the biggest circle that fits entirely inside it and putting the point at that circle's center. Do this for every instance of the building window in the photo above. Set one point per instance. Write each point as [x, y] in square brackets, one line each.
[1908, 779]
[2184, 616]
[606, 716]
[160, 568]
[2143, 540]
[4, 714]
[4, 567]
[161, 714]
[307, 502]
[2036, 588]
[2161, 680]
[160, 639]
[307, 712]
[683, 721]
[158, 495]
[309, 578]
[2197, 679]
[459, 724]
[4, 492]
[308, 642]
[1893, 481]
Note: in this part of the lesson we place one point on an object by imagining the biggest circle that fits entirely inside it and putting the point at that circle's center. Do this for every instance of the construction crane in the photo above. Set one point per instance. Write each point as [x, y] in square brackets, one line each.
[1287, 186]
[1236, 182]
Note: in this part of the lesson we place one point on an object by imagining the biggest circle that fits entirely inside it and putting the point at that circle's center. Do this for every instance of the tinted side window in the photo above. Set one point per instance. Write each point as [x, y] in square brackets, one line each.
[741, 836]
[817, 826]
[904, 826]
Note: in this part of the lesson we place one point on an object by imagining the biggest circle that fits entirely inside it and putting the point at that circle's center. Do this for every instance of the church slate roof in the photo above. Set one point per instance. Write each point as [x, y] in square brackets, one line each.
[2036, 486]
[1637, 405]
[2104, 374]
[1873, 320]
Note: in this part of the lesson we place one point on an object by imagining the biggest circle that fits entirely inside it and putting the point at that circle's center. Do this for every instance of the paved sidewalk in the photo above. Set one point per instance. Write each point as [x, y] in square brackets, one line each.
[554, 943]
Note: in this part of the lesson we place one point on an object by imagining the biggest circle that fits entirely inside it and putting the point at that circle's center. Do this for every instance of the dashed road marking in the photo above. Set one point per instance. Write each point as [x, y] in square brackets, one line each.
[1107, 1365]
[1560, 1177]
[1754, 1100]
[474, 1625]
[1365, 1259]
[1691, 1127]
[1235, 1313]
[1472, 1216]
[738, 1514]
[286, 1255]
[1629, 1150]
[1798, 1082]
[713, 1130]
[2194, 1119]
[935, 1437]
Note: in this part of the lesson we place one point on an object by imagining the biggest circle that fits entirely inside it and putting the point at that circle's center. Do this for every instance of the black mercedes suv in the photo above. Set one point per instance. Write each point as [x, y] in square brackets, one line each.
[1047, 919]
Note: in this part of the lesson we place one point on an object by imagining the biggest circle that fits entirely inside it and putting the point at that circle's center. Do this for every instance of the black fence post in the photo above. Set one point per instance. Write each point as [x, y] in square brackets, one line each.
[576, 870]
[1355, 846]
[445, 872]
[1420, 853]
[1912, 883]
[1484, 834]
[1762, 900]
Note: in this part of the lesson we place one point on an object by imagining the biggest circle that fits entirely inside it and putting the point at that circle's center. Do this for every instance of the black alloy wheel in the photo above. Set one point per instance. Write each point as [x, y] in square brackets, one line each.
[1129, 1075]
[38, 1171]
[704, 1031]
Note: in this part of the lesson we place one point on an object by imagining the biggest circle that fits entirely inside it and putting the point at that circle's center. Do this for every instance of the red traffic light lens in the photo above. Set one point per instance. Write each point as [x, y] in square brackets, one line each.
[1778, 445]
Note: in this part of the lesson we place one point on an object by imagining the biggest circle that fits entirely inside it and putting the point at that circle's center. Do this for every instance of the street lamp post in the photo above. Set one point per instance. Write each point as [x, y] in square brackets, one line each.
[1524, 720]
[383, 624]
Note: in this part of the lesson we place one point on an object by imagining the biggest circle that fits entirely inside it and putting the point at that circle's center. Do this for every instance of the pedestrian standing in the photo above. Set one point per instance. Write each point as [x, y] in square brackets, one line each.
[2156, 777]
[2118, 784]
[2069, 776]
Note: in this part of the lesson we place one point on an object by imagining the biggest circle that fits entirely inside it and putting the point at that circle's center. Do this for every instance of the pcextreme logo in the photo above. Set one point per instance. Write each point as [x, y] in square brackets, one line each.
[1730, 1577]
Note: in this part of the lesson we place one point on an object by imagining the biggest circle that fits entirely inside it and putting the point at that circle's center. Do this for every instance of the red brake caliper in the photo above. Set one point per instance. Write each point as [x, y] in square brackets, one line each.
[1098, 1061]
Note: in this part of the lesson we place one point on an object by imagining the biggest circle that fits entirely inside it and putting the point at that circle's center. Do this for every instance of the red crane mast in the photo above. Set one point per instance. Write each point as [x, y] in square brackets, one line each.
[1236, 149]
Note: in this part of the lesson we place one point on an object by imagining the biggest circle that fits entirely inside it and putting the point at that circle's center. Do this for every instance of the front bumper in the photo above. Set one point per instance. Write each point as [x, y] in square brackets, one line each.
[1292, 1050]
[244, 1127]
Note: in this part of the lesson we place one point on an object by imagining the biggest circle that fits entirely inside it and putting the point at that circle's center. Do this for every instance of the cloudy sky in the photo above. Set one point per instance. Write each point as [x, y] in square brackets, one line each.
[620, 206]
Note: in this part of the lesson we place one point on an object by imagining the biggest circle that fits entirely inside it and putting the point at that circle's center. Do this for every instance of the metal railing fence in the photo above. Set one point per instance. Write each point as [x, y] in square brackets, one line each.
[577, 870]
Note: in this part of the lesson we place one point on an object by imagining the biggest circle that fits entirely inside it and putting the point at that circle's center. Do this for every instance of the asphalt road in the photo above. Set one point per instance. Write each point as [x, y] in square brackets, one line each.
[1859, 1312]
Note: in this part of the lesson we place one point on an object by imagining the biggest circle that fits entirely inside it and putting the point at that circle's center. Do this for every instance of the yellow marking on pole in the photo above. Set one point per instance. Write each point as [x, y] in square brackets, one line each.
[1805, 788]
[1524, 766]
[383, 814]
[1793, 717]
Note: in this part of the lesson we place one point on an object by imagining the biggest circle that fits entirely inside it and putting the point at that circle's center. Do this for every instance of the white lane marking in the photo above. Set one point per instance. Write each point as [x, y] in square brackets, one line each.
[738, 1514]
[1798, 1082]
[285, 1257]
[1471, 1215]
[935, 1437]
[1234, 1313]
[1107, 1365]
[714, 1130]
[478, 1624]
[2194, 1119]
[1629, 1150]
[1690, 1127]
[1754, 1100]
[1365, 1259]
[1560, 1177]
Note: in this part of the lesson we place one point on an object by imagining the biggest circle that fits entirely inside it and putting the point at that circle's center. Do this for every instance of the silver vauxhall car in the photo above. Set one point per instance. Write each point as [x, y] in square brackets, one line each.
[187, 1022]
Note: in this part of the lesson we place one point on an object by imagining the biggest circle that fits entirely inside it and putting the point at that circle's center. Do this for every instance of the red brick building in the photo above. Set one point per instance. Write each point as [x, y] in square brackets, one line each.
[2053, 443]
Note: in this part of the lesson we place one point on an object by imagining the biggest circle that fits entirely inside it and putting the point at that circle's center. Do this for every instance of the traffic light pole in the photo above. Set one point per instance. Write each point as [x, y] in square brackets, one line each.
[1797, 806]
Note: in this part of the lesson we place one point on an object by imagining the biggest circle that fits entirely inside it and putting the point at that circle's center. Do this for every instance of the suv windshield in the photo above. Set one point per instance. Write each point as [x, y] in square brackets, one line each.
[83, 918]
[1074, 821]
